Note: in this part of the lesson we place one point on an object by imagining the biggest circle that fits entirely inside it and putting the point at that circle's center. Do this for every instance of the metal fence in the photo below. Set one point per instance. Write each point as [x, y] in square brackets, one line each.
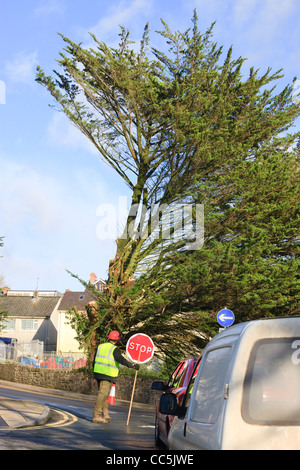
[67, 361]
[32, 354]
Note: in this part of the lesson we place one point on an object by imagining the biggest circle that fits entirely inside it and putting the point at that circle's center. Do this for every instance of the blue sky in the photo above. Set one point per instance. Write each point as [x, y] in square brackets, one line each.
[51, 179]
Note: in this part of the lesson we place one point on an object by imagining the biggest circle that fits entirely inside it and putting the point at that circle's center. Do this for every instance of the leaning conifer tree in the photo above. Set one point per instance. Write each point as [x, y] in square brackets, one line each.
[172, 127]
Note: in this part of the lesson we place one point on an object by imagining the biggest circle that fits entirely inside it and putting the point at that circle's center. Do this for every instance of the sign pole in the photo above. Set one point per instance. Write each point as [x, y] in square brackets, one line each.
[133, 388]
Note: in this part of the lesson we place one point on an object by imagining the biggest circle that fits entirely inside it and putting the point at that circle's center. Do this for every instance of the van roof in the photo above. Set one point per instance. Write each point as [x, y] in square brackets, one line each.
[238, 329]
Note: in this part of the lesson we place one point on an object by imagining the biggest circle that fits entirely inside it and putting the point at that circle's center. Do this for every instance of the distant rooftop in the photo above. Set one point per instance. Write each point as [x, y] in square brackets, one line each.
[33, 293]
[75, 299]
[29, 306]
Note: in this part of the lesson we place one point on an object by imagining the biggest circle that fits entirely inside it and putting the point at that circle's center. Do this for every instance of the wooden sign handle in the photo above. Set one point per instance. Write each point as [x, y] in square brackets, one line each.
[133, 389]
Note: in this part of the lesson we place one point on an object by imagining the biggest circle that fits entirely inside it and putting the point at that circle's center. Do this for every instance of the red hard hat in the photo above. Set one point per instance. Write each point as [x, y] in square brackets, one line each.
[114, 335]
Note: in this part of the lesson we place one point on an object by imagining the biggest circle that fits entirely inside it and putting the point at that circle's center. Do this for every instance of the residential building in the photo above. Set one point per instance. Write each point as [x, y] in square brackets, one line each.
[97, 282]
[31, 317]
[66, 335]
[42, 316]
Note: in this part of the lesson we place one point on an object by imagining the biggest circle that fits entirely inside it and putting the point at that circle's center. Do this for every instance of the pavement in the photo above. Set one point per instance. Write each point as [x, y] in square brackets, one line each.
[22, 413]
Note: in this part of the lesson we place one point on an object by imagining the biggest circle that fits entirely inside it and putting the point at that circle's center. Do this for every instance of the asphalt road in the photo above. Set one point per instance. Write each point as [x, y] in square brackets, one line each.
[71, 428]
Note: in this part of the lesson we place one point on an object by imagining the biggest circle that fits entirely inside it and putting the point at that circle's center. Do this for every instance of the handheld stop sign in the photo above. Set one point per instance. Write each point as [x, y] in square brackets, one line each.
[140, 349]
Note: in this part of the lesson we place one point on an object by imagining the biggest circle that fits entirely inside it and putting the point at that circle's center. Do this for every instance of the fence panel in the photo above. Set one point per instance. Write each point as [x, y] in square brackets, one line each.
[32, 354]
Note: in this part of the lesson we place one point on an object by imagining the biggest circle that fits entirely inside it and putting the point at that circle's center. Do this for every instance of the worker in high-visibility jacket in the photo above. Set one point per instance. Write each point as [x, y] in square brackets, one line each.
[106, 370]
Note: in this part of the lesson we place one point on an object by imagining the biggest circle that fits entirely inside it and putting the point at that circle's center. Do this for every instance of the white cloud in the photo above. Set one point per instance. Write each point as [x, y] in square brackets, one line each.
[243, 10]
[48, 7]
[131, 15]
[15, 267]
[29, 198]
[262, 19]
[61, 132]
[49, 224]
[21, 69]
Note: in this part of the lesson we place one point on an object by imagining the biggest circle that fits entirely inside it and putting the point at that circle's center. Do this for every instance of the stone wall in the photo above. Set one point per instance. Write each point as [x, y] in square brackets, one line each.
[77, 382]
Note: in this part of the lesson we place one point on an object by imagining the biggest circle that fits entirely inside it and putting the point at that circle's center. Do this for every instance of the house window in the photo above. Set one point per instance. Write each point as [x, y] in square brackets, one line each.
[99, 286]
[29, 325]
[8, 324]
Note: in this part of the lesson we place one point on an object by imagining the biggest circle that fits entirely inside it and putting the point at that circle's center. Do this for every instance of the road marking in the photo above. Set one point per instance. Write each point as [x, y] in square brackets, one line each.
[67, 419]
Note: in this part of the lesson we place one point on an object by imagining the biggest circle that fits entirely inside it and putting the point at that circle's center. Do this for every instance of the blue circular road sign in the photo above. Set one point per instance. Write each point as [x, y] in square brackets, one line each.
[225, 317]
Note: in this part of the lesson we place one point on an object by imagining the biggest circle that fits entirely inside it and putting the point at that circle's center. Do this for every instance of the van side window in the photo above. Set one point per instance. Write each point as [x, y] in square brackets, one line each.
[210, 388]
[271, 394]
[191, 385]
[177, 375]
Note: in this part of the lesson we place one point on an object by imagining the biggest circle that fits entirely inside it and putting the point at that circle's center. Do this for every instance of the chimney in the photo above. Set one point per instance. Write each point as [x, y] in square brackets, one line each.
[93, 278]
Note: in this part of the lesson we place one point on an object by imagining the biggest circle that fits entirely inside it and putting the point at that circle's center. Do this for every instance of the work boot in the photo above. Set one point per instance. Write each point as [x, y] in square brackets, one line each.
[99, 419]
[107, 417]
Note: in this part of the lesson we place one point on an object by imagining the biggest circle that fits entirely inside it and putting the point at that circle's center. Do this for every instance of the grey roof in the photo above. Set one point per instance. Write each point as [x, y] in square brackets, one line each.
[75, 299]
[31, 307]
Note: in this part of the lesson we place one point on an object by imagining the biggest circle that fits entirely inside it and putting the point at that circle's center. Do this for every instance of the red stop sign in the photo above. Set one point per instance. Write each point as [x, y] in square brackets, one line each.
[140, 348]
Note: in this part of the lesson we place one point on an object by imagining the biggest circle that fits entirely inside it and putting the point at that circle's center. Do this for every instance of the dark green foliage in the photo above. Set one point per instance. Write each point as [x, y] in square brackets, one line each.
[187, 125]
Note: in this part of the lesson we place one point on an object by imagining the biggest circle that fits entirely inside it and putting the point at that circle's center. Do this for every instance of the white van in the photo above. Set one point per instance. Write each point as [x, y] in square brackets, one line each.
[246, 392]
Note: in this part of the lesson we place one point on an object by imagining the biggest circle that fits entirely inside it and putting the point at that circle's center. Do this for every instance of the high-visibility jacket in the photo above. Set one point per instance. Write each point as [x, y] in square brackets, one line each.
[104, 360]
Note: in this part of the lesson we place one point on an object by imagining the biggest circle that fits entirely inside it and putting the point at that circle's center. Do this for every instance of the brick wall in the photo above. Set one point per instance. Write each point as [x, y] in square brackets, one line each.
[77, 382]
